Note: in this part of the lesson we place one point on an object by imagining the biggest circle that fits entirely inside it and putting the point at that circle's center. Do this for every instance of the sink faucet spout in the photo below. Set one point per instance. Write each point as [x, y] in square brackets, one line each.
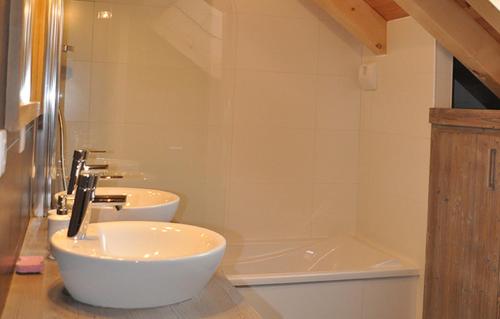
[85, 198]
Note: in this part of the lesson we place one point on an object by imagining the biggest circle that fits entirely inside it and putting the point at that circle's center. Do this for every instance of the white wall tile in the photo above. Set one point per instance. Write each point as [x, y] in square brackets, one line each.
[76, 137]
[214, 208]
[78, 18]
[155, 35]
[193, 201]
[290, 47]
[172, 153]
[111, 36]
[263, 154]
[274, 99]
[336, 156]
[339, 51]
[221, 96]
[108, 92]
[77, 91]
[194, 30]
[173, 95]
[334, 209]
[339, 102]
[218, 155]
[146, 94]
[259, 211]
[401, 103]
[411, 49]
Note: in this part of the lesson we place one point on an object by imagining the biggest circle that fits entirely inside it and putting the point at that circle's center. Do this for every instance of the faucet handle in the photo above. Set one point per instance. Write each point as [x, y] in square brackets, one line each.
[90, 167]
[110, 176]
[116, 200]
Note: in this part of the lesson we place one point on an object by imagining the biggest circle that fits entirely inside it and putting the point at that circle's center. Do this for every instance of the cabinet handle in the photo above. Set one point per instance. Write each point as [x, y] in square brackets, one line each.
[492, 173]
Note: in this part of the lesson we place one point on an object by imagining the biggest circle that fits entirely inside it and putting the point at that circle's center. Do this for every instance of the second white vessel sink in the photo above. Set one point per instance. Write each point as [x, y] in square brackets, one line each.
[142, 204]
[137, 264]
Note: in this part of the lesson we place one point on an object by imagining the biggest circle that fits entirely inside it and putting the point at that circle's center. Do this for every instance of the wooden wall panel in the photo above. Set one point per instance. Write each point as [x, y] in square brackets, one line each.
[4, 42]
[14, 207]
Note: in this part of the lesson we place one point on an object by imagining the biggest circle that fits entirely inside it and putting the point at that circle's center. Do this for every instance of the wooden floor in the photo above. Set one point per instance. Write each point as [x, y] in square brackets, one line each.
[43, 296]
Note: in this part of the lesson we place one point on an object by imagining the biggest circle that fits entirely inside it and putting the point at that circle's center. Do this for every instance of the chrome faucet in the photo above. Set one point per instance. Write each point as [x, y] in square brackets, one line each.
[85, 199]
[79, 158]
[79, 165]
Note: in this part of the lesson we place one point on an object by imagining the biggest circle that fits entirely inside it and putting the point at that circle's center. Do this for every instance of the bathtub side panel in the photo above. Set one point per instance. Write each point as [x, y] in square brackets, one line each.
[392, 298]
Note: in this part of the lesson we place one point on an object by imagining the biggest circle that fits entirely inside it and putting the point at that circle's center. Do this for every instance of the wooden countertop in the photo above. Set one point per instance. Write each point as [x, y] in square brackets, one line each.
[43, 296]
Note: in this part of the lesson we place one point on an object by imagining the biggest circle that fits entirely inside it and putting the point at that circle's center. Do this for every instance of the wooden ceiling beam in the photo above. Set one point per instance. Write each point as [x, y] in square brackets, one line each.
[361, 20]
[460, 34]
[487, 11]
[388, 9]
[475, 15]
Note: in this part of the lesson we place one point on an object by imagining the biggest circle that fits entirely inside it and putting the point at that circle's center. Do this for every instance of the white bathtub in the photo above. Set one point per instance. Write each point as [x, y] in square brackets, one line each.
[335, 278]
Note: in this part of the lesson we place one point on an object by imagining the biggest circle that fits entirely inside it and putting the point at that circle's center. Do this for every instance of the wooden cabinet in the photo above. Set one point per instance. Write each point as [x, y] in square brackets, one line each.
[463, 236]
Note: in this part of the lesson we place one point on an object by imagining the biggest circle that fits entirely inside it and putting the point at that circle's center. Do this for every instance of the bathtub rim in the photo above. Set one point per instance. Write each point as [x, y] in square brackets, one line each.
[303, 277]
[405, 267]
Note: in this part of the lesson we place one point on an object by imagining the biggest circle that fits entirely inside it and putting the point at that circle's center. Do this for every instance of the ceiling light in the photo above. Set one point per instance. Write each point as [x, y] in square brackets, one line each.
[104, 15]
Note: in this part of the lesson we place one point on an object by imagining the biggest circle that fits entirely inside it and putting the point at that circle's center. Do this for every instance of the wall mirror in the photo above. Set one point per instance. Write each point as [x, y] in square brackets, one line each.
[25, 70]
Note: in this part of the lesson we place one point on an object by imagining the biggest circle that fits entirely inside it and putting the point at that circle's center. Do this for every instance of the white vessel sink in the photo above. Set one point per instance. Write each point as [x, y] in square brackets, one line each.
[137, 264]
[142, 204]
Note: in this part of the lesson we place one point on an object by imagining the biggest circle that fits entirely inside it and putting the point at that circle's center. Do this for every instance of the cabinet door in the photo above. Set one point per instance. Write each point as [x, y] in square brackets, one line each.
[481, 288]
[461, 278]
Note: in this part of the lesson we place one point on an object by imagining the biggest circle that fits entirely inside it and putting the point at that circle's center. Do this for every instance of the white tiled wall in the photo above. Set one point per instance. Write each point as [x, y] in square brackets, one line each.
[248, 109]
[395, 141]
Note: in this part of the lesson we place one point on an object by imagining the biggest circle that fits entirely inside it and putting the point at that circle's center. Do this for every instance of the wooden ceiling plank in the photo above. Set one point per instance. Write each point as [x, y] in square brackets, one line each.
[361, 20]
[460, 34]
[487, 11]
